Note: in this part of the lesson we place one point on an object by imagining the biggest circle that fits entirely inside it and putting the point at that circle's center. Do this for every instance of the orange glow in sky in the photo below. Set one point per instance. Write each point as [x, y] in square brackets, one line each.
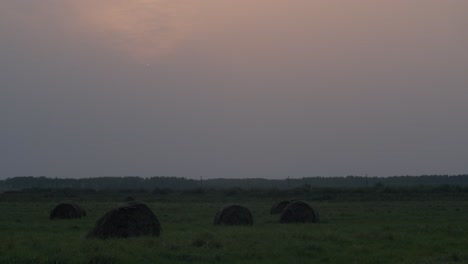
[145, 29]
[148, 29]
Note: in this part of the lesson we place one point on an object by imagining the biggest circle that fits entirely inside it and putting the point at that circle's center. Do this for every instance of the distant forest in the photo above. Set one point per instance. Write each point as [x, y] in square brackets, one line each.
[176, 183]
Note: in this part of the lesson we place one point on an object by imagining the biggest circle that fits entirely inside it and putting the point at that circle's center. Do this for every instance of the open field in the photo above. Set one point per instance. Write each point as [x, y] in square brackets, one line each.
[349, 232]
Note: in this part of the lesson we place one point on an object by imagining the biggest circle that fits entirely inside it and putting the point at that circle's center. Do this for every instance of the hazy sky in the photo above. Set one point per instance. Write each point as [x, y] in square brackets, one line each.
[222, 88]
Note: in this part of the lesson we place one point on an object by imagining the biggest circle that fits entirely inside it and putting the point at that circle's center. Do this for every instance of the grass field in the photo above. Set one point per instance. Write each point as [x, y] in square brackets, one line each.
[349, 232]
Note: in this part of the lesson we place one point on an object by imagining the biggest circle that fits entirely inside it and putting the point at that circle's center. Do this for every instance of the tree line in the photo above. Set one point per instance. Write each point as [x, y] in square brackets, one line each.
[178, 183]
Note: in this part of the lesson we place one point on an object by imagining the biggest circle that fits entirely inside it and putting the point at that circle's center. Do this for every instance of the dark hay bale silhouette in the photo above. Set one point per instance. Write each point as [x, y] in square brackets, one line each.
[129, 199]
[299, 212]
[130, 220]
[278, 207]
[68, 210]
[233, 215]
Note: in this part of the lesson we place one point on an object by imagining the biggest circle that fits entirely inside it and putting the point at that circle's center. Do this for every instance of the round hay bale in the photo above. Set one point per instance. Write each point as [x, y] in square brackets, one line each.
[68, 210]
[130, 220]
[233, 215]
[278, 207]
[299, 212]
[129, 199]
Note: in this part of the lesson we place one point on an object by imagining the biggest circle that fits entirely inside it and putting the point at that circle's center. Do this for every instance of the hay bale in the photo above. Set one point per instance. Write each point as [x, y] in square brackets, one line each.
[278, 207]
[130, 220]
[129, 199]
[68, 210]
[233, 215]
[299, 212]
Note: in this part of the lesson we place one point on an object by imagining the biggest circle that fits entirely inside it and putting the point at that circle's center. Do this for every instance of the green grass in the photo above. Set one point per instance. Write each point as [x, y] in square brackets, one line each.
[349, 232]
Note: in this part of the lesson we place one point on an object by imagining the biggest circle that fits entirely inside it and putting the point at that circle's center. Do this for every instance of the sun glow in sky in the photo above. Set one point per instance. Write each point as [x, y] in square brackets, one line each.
[145, 29]
[245, 88]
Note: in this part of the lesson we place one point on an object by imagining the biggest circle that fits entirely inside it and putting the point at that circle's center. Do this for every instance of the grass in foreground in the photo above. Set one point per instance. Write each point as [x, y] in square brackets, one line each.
[349, 232]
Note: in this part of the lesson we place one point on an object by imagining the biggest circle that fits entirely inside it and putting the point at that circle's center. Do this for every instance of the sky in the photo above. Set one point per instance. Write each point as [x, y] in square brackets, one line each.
[233, 89]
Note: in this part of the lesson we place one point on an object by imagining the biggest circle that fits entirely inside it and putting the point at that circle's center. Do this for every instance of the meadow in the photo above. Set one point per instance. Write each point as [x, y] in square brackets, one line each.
[350, 231]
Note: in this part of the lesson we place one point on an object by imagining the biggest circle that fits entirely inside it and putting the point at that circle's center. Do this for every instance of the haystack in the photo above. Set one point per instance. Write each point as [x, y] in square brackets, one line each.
[68, 210]
[278, 207]
[233, 215]
[299, 212]
[129, 199]
[130, 220]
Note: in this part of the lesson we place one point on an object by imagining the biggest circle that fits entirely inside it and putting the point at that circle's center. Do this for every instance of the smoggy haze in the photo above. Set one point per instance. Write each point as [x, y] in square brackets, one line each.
[245, 88]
